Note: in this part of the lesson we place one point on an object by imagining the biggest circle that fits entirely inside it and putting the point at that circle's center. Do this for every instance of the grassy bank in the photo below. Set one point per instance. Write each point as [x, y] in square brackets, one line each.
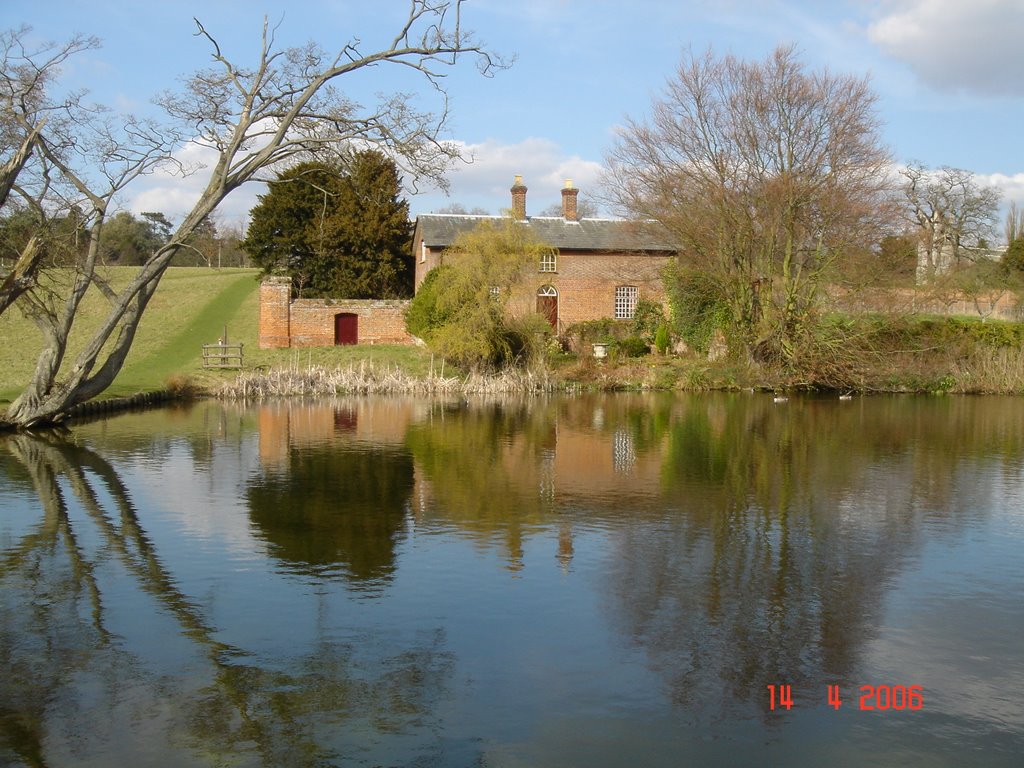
[857, 354]
[190, 308]
[193, 305]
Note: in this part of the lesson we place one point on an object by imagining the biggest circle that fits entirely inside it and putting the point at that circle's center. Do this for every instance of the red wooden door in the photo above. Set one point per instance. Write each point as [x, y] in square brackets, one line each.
[346, 328]
[547, 305]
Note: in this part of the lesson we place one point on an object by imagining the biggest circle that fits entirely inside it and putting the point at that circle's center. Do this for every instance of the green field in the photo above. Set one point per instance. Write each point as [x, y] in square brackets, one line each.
[191, 307]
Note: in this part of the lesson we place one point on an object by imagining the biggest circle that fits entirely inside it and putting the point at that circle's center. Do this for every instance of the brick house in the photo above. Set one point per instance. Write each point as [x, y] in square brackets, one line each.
[602, 266]
[601, 269]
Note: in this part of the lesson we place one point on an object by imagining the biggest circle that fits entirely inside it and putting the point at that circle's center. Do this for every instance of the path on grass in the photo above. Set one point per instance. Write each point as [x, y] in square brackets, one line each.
[186, 347]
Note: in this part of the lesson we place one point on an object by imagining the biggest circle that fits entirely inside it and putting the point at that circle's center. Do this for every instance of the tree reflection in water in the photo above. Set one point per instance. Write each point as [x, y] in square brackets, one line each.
[781, 535]
[72, 692]
[762, 547]
[332, 508]
[488, 470]
[634, 561]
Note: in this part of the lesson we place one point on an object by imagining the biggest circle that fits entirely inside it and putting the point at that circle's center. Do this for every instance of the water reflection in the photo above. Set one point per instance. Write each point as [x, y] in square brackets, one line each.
[332, 507]
[74, 687]
[725, 542]
[501, 471]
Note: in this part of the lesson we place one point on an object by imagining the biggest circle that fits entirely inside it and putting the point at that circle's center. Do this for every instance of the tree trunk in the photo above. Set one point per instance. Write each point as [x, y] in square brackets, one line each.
[254, 118]
[22, 276]
[46, 401]
[10, 170]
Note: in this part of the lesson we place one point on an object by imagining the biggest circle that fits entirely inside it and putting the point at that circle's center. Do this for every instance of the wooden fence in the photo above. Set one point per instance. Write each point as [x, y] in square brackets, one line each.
[222, 355]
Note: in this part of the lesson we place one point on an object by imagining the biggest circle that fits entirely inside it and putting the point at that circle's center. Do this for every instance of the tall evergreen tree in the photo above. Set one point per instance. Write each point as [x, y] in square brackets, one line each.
[369, 232]
[338, 230]
[286, 226]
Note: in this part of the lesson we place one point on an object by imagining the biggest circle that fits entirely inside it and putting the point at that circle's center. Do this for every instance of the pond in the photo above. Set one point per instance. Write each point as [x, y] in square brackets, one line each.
[607, 580]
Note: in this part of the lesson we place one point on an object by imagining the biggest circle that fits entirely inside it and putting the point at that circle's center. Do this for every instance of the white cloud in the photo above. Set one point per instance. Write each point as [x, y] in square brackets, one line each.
[1012, 186]
[485, 182]
[956, 45]
[174, 195]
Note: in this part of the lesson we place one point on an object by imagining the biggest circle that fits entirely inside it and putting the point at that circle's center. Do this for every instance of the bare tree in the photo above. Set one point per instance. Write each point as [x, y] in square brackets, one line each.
[458, 209]
[25, 75]
[253, 118]
[766, 174]
[951, 214]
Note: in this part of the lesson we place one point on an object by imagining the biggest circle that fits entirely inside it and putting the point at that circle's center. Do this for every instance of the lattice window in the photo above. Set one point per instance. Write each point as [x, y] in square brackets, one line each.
[625, 301]
[548, 262]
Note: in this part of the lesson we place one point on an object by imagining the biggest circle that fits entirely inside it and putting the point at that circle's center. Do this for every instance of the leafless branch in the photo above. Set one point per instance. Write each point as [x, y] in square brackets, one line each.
[764, 172]
[255, 118]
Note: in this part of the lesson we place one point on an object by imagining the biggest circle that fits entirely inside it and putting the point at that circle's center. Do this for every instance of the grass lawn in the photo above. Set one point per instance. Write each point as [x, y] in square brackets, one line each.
[190, 308]
[195, 311]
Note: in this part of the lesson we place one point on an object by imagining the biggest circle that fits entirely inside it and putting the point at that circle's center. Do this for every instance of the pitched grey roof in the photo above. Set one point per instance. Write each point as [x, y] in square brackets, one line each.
[620, 235]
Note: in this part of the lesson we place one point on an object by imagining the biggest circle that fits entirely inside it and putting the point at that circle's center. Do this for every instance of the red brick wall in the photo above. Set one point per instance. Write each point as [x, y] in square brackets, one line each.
[1001, 305]
[586, 284]
[310, 322]
[426, 259]
[275, 296]
[380, 321]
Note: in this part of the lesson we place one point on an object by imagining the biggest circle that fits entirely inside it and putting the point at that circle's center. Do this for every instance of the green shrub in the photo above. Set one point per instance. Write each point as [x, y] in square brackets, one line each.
[593, 331]
[632, 346]
[604, 331]
[425, 313]
[992, 333]
[461, 310]
[700, 305]
[647, 316]
[1014, 256]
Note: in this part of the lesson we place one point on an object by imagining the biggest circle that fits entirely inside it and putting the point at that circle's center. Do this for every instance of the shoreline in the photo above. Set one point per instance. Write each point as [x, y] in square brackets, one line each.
[671, 375]
[988, 372]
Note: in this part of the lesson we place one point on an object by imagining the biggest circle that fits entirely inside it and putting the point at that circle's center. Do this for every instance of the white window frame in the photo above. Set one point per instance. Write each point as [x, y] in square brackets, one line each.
[549, 262]
[626, 297]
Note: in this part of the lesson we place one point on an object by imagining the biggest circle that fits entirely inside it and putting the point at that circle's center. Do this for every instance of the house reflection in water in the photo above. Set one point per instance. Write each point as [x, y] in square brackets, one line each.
[498, 470]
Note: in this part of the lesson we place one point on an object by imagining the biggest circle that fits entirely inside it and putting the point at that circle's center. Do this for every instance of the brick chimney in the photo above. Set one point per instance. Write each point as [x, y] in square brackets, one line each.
[518, 199]
[569, 212]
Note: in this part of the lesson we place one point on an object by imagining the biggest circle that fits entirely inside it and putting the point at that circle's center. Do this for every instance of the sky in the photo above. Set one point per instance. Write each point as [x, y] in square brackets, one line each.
[949, 76]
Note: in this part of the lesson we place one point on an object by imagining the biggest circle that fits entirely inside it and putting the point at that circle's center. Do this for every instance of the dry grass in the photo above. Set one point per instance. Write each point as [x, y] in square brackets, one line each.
[991, 371]
[182, 387]
[368, 379]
